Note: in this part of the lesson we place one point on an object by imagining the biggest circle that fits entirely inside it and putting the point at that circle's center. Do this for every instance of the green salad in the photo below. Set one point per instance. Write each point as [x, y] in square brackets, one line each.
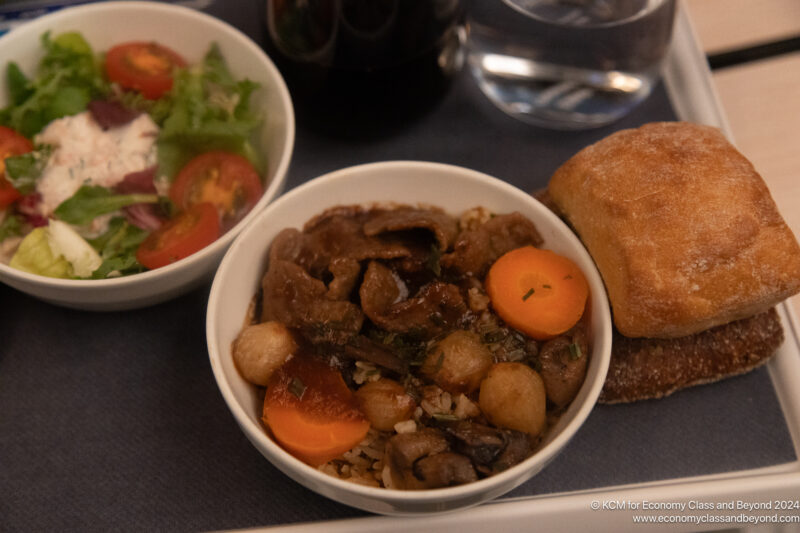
[118, 162]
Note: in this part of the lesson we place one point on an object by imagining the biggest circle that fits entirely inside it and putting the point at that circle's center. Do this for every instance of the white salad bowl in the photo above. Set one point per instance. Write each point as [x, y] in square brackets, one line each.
[454, 189]
[190, 33]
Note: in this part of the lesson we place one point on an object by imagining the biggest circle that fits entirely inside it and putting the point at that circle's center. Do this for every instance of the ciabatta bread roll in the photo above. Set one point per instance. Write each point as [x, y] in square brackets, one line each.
[681, 226]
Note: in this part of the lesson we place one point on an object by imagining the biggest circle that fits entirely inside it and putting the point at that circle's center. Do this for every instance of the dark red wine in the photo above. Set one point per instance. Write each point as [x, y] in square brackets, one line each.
[364, 64]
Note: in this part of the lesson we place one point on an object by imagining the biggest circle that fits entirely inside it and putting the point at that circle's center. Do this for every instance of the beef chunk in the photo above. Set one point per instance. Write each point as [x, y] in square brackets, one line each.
[294, 246]
[338, 232]
[443, 226]
[436, 307]
[475, 250]
[333, 245]
[291, 296]
[345, 273]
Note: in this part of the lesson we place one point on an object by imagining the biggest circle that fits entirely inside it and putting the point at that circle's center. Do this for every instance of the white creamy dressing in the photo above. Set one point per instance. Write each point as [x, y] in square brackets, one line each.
[84, 154]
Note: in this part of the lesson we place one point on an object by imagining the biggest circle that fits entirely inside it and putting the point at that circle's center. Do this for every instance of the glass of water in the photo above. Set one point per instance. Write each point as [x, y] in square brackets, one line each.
[568, 64]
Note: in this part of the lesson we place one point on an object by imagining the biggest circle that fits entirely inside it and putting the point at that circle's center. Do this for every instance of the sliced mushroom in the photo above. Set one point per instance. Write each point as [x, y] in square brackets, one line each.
[422, 460]
[364, 349]
[563, 366]
[481, 443]
[490, 449]
[519, 447]
[444, 470]
[404, 449]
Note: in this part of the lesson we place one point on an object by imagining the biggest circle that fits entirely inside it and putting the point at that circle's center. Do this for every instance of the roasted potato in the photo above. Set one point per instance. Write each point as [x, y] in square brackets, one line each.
[260, 349]
[458, 362]
[512, 396]
[385, 403]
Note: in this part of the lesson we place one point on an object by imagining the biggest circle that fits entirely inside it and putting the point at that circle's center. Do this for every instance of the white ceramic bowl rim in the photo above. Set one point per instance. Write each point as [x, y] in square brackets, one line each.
[542, 455]
[41, 24]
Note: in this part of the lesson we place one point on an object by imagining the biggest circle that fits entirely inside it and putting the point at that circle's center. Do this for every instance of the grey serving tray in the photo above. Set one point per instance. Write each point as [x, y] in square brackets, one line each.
[112, 421]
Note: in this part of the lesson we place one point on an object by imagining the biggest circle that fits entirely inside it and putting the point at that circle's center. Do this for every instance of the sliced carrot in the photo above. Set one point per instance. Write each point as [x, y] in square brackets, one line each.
[311, 412]
[537, 292]
[311, 441]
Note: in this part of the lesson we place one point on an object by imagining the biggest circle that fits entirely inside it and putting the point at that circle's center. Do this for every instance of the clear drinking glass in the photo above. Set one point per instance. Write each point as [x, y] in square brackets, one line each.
[568, 64]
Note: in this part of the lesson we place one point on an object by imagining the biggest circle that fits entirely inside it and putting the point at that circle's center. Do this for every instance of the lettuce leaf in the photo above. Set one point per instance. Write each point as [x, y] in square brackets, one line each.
[23, 170]
[68, 77]
[56, 251]
[210, 110]
[91, 201]
[65, 241]
[10, 226]
[35, 256]
[117, 247]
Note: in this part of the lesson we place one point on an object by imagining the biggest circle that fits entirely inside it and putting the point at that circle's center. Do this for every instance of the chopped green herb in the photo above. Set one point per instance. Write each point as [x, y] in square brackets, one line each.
[439, 363]
[496, 335]
[414, 393]
[433, 263]
[516, 355]
[528, 294]
[574, 351]
[487, 327]
[445, 417]
[416, 333]
[297, 387]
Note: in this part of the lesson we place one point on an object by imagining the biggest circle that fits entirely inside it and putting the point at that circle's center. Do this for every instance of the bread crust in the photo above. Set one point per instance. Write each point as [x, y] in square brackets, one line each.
[682, 228]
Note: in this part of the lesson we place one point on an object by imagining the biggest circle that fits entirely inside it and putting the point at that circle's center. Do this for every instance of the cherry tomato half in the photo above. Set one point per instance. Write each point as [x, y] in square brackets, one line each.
[179, 237]
[145, 67]
[224, 179]
[11, 144]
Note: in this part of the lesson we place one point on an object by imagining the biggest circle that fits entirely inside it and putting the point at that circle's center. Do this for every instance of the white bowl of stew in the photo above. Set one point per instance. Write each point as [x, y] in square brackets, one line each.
[107, 24]
[241, 291]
